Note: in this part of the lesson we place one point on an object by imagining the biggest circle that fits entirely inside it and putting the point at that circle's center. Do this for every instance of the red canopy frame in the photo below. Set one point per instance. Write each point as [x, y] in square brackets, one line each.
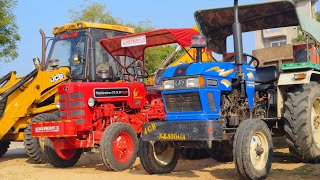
[181, 36]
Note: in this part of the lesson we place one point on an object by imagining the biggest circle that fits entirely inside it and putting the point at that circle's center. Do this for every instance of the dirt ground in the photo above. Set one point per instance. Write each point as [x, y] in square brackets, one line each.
[15, 165]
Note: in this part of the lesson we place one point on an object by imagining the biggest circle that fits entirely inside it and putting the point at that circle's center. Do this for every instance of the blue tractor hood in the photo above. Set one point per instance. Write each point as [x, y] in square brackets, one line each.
[222, 69]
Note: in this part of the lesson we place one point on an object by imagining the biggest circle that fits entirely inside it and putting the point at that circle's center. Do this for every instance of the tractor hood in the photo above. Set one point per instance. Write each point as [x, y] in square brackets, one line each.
[216, 24]
[222, 69]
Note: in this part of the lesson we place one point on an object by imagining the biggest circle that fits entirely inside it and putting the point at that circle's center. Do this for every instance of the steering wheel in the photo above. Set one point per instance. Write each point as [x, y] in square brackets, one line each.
[144, 75]
[253, 59]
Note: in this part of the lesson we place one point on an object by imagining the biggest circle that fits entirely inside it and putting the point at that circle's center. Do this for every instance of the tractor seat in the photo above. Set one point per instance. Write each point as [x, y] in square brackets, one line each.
[264, 87]
[267, 74]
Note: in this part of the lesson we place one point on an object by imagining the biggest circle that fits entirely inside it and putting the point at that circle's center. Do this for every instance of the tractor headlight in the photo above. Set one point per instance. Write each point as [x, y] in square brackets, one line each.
[92, 102]
[196, 82]
[168, 84]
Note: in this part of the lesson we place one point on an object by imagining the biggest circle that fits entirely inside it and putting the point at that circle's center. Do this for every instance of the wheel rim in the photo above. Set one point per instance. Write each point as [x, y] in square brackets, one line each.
[66, 154]
[259, 150]
[163, 152]
[122, 147]
[315, 121]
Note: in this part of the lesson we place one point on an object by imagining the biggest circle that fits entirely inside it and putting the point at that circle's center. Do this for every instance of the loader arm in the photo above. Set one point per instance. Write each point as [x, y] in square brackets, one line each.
[24, 101]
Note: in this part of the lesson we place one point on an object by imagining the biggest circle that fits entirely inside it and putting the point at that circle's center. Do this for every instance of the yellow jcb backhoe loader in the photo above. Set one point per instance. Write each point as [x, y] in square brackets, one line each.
[74, 47]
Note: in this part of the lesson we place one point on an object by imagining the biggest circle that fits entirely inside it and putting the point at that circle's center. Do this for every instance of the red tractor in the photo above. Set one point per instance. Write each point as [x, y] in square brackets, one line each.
[108, 112]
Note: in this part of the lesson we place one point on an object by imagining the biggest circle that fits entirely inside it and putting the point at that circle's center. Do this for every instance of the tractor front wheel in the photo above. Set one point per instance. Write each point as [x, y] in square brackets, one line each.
[253, 149]
[119, 146]
[35, 146]
[158, 157]
[61, 158]
[4, 146]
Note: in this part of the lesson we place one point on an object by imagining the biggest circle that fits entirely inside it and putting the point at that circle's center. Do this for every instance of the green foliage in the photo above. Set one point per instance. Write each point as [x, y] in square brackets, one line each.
[154, 56]
[96, 12]
[301, 38]
[8, 31]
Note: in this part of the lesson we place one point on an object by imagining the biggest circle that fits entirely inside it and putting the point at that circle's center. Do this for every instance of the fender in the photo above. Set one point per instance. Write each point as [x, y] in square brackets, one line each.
[287, 79]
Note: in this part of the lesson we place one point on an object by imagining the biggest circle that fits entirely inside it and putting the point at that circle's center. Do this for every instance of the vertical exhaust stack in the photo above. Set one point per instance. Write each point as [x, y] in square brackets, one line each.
[237, 39]
[199, 42]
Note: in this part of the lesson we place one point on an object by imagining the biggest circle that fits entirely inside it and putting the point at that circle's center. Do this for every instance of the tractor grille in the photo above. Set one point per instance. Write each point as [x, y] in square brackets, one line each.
[72, 107]
[184, 102]
[3, 103]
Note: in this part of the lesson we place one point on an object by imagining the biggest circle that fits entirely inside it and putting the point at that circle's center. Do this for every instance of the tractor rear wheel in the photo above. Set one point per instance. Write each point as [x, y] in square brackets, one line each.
[35, 146]
[4, 146]
[119, 146]
[158, 157]
[253, 149]
[302, 122]
[61, 158]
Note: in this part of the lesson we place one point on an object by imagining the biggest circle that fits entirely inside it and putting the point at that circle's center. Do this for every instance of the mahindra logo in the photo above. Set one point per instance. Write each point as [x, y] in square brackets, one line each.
[179, 83]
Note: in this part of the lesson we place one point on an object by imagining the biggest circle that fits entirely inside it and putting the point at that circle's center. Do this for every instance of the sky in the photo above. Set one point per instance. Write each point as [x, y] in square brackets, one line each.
[31, 15]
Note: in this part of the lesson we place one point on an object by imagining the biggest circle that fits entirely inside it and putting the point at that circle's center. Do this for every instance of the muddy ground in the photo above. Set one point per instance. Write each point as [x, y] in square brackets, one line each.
[16, 165]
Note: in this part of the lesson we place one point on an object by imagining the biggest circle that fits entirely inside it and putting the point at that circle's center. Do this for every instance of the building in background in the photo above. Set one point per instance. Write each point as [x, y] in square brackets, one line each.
[282, 36]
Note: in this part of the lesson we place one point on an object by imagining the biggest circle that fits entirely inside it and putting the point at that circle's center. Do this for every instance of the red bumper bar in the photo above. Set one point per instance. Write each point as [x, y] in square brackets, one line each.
[65, 128]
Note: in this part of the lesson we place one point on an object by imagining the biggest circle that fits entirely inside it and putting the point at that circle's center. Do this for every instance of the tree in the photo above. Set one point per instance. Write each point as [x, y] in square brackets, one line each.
[8, 31]
[301, 38]
[97, 13]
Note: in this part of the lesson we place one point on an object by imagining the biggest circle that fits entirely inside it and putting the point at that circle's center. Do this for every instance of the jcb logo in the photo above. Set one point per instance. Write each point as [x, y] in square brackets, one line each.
[56, 77]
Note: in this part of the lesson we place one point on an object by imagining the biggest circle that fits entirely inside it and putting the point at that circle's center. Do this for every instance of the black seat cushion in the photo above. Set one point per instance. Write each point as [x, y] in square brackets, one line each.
[263, 87]
[267, 74]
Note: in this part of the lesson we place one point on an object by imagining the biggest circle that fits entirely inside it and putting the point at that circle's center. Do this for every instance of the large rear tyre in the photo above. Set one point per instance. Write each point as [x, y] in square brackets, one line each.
[302, 124]
[119, 146]
[158, 157]
[35, 146]
[253, 149]
[4, 146]
[61, 158]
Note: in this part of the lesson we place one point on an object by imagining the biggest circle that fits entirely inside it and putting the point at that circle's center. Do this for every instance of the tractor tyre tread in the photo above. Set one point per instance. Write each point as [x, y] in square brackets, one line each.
[54, 159]
[106, 142]
[31, 145]
[4, 146]
[298, 123]
[242, 146]
[149, 162]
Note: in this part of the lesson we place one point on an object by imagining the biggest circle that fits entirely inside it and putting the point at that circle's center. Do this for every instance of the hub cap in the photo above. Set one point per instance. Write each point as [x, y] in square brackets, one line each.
[163, 152]
[122, 147]
[259, 150]
[315, 121]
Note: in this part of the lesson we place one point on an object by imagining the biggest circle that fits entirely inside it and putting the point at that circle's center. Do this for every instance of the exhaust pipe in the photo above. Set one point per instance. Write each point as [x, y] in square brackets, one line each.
[237, 37]
[238, 48]
[43, 50]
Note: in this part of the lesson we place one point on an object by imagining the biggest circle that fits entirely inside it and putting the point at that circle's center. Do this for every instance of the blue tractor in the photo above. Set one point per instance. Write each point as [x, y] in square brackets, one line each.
[233, 107]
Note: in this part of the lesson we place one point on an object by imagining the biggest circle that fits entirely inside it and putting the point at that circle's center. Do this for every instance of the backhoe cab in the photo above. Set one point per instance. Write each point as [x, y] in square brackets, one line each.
[74, 52]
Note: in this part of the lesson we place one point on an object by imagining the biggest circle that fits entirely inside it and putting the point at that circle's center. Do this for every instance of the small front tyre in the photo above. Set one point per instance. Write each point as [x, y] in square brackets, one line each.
[4, 146]
[119, 146]
[61, 158]
[253, 149]
[158, 157]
